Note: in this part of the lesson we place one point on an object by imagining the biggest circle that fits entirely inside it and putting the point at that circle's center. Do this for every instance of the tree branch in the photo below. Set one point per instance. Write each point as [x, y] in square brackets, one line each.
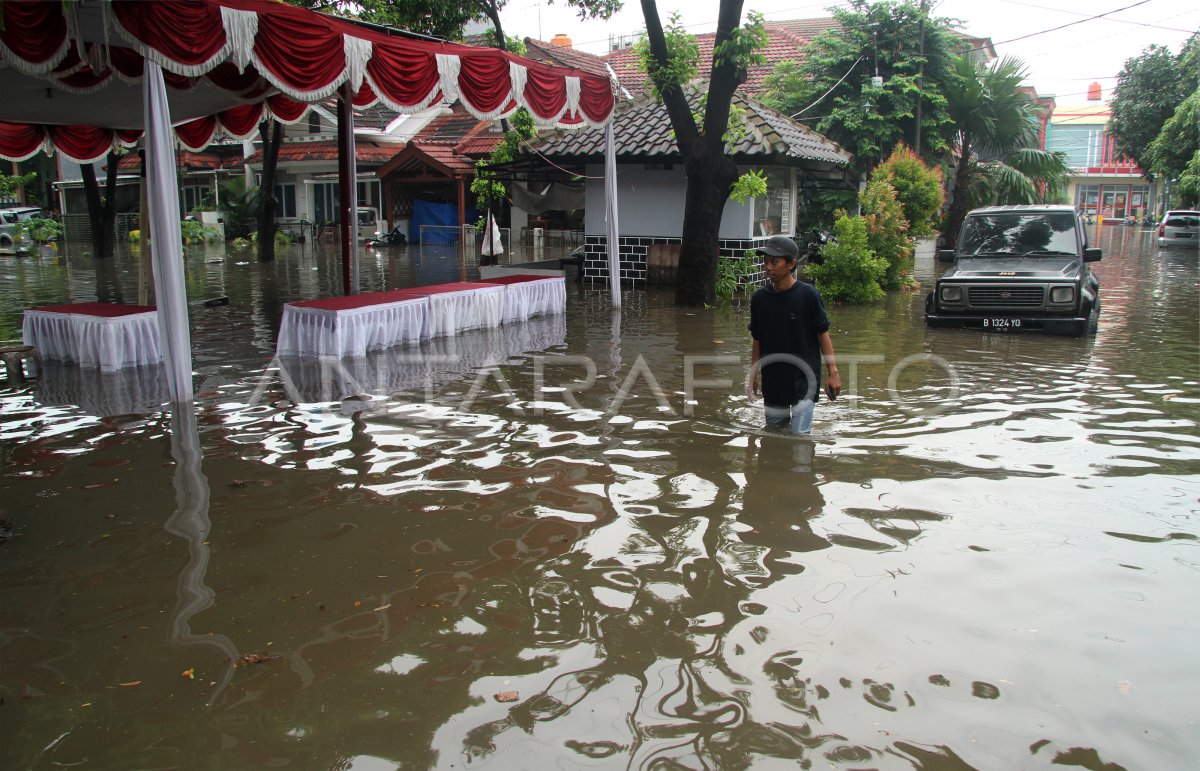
[726, 77]
[674, 99]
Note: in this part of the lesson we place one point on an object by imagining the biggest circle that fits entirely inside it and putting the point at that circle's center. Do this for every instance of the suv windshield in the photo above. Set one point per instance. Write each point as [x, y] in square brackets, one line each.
[1019, 234]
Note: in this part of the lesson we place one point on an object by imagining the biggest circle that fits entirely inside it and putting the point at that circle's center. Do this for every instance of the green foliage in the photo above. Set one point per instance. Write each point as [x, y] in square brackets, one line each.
[683, 59]
[752, 184]
[10, 184]
[41, 230]
[193, 232]
[831, 89]
[1187, 191]
[993, 114]
[818, 208]
[918, 189]
[1149, 89]
[487, 189]
[239, 208]
[851, 272]
[744, 45]
[736, 274]
[887, 232]
[1179, 140]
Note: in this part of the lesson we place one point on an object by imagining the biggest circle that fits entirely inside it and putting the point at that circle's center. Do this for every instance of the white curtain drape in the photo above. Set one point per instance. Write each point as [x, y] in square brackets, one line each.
[610, 212]
[170, 297]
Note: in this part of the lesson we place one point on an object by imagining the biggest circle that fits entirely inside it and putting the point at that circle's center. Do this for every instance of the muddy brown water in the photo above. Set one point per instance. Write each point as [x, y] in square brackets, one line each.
[460, 556]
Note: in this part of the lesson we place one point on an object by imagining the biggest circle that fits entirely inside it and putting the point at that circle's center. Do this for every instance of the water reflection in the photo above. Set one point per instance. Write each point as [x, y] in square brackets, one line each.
[129, 391]
[446, 566]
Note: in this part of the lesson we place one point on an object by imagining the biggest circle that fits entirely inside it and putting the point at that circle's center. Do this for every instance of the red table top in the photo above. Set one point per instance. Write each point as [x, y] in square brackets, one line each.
[457, 286]
[519, 279]
[105, 310]
[351, 301]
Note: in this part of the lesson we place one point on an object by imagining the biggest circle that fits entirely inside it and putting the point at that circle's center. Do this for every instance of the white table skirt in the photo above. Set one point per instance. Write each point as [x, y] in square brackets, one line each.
[531, 298]
[94, 341]
[481, 307]
[320, 333]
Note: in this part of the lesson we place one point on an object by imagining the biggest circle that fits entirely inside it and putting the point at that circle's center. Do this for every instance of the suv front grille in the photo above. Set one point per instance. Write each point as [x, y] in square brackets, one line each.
[1007, 296]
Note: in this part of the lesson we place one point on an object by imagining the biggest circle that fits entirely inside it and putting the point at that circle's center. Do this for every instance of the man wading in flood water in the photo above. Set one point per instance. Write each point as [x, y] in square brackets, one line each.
[791, 336]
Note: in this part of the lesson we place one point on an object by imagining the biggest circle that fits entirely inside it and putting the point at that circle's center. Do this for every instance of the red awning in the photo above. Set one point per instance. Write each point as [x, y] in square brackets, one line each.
[75, 70]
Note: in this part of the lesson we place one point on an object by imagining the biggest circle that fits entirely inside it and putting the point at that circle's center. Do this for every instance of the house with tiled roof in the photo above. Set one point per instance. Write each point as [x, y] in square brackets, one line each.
[785, 43]
[652, 182]
[428, 182]
[306, 177]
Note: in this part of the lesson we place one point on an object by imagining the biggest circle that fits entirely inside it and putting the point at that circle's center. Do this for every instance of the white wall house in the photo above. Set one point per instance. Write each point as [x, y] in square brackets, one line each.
[652, 184]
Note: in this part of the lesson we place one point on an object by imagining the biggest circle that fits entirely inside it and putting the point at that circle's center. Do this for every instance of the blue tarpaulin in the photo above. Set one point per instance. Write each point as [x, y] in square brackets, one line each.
[431, 213]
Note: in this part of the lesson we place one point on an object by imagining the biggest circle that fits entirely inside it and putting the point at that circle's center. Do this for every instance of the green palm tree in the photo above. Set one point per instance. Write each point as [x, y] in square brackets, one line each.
[997, 159]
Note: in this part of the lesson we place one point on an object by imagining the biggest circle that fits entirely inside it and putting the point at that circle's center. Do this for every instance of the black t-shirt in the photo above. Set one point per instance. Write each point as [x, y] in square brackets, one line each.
[788, 322]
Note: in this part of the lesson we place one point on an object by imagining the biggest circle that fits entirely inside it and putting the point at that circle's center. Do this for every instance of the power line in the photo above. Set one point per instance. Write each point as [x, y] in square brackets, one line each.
[1076, 13]
[1072, 24]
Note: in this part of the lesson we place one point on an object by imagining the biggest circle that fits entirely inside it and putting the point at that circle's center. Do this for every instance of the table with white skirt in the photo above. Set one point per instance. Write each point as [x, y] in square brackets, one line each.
[353, 325]
[526, 295]
[104, 335]
[461, 306]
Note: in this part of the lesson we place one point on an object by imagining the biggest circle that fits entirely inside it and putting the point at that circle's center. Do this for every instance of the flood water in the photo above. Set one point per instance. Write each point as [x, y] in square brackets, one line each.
[476, 555]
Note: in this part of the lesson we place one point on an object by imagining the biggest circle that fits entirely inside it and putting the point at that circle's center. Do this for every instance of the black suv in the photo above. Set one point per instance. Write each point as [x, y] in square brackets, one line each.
[1019, 268]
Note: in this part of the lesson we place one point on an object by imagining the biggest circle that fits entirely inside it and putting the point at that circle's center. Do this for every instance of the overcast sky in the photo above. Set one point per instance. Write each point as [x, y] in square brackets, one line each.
[1061, 62]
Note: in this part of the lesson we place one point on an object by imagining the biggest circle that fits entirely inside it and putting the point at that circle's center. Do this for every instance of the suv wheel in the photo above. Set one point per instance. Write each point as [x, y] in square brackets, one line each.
[1093, 322]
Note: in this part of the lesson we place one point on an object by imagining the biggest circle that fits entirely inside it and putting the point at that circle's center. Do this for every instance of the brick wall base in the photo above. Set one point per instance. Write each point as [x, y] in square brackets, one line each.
[633, 249]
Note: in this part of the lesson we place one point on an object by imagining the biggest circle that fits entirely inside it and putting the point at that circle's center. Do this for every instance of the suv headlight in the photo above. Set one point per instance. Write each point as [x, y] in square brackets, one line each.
[1062, 294]
[952, 294]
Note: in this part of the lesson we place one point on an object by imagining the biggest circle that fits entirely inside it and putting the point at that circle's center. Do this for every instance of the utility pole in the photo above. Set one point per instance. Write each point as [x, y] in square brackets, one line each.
[920, 75]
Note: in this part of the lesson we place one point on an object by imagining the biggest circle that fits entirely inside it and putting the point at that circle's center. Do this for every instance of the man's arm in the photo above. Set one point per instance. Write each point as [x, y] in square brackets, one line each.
[833, 380]
[755, 355]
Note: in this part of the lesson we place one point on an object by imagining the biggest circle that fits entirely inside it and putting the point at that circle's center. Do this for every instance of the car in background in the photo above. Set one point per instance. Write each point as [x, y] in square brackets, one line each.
[1018, 269]
[9, 218]
[1180, 227]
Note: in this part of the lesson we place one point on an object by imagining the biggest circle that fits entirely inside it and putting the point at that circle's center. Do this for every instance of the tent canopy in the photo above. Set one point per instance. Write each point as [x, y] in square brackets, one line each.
[73, 72]
[88, 76]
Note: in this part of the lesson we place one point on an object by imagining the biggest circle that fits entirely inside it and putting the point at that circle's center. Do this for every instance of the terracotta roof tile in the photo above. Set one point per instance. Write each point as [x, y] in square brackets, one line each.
[783, 44]
[541, 51]
[212, 158]
[643, 131]
[327, 150]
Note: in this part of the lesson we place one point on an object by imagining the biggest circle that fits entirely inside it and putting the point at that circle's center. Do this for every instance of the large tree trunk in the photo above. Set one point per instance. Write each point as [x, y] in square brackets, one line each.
[709, 177]
[101, 209]
[960, 200]
[710, 171]
[271, 132]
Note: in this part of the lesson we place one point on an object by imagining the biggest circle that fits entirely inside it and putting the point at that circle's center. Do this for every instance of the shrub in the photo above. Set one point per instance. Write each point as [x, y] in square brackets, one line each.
[135, 236]
[887, 231]
[41, 229]
[918, 189]
[851, 272]
[193, 232]
[734, 274]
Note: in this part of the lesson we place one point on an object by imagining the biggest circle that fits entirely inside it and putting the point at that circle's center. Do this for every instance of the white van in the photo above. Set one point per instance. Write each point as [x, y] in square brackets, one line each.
[369, 226]
[8, 222]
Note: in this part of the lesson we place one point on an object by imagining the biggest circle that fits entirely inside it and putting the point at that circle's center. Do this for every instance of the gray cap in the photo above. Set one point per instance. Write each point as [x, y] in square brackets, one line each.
[781, 246]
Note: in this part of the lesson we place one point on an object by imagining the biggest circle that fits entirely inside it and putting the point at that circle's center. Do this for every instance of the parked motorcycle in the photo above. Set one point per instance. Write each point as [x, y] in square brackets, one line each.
[816, 239]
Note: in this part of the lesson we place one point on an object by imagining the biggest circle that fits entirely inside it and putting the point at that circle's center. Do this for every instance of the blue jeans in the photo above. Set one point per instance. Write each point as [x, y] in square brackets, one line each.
[798, 417]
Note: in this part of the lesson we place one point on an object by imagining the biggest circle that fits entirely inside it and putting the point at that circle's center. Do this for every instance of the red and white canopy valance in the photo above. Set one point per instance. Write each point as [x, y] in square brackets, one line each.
[73, 72]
